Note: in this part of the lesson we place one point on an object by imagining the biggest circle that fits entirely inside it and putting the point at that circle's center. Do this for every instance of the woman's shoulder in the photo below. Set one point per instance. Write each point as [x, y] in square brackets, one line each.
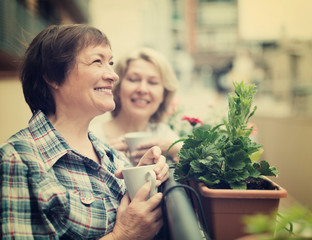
[21, 151]
[21, 140]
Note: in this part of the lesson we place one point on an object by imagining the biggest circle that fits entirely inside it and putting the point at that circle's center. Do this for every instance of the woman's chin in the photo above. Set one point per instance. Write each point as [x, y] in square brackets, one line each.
[107, 108]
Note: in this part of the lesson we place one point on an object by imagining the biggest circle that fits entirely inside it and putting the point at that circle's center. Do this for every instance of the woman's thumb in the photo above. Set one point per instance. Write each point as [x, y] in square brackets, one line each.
[118, 174]
[151, 156]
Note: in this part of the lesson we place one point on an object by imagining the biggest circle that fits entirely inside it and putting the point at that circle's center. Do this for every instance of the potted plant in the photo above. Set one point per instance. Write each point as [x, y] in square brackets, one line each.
[222, 163]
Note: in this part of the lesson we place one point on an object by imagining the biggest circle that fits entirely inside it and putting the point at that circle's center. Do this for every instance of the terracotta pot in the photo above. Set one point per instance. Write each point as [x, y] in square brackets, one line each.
[224, 209]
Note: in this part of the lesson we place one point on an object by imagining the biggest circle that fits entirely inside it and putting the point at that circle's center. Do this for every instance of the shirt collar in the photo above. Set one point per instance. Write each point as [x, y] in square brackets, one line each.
[99, 146]
[50, 143]
[53, 146]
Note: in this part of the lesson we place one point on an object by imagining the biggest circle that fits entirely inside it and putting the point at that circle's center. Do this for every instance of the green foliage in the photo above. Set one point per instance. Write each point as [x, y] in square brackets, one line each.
[240, 104]
[293, 223]
[224, 155]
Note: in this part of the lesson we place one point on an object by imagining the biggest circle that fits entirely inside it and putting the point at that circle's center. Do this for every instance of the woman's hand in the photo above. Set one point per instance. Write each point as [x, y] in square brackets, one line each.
[163, 144]
[153, 156]
[119, 144]
[140, 218]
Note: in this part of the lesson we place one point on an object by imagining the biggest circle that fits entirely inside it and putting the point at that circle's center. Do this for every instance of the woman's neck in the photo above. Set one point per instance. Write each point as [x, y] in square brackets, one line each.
[75, 133]
[73, 129]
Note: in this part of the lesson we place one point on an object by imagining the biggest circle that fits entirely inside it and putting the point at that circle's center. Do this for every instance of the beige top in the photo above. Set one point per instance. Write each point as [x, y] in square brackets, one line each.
[157, 129]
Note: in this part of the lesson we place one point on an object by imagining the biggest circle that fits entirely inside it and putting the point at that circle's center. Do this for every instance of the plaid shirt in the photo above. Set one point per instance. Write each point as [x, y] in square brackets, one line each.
[50, 191]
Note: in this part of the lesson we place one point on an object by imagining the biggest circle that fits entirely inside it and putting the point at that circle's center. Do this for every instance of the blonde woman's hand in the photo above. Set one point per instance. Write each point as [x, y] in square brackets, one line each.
[163, 144]
[119, 144]
[139, 152]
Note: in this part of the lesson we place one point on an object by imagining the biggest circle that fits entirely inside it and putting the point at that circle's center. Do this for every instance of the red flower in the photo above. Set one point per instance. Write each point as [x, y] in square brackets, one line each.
[193, 121]
[254, 128]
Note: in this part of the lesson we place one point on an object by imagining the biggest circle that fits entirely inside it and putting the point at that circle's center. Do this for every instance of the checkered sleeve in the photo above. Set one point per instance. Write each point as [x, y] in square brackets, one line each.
[19, 214]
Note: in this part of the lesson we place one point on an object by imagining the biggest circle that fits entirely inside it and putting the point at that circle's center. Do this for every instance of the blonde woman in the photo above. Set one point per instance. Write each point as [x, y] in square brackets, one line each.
[146, 86]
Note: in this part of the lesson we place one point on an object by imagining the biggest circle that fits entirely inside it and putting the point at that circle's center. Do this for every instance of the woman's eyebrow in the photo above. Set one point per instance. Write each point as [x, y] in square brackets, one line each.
[101, 55]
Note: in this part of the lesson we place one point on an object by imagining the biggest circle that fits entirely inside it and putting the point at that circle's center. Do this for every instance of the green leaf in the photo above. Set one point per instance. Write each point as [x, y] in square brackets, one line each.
[237, 159]
[207, 181]
[236, 177]
[264, 168]
[256, 155]
[179, 140]
[254, 173]
[196, 166]
[238, 185]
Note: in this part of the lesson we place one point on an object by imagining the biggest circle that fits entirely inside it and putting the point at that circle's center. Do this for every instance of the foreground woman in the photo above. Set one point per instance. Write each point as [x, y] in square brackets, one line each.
[58, 181]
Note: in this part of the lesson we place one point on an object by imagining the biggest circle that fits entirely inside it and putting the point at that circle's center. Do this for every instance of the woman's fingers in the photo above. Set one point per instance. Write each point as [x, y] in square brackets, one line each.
[143, 193]
[151, 156]
[119, 144]
[146, 146]
[163, 175]
[118, 174]
[125, 201]
[140, 218]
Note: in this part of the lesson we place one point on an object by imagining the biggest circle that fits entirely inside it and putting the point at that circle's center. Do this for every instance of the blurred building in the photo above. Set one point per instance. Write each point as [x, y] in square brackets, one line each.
[21, 20]
[207, 30]
[289, 74]
[270, 51]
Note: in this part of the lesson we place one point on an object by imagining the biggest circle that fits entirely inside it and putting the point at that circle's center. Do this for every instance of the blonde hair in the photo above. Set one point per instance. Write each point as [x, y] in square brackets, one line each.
[166, 72]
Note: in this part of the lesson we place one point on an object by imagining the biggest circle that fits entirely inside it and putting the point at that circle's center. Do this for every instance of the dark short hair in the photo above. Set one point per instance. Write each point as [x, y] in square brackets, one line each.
[50, 56]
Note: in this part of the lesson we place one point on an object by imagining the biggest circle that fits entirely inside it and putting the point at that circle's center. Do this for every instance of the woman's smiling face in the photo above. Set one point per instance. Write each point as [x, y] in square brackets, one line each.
[141, 90]
[88, 86]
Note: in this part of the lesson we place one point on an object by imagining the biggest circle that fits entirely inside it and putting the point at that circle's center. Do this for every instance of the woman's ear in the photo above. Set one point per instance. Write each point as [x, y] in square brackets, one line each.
[51, 84]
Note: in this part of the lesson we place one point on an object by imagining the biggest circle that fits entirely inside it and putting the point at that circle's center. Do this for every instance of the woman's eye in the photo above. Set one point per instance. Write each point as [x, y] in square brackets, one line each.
[133, 79]
[153, 82]
[97, 61]
[111, 63]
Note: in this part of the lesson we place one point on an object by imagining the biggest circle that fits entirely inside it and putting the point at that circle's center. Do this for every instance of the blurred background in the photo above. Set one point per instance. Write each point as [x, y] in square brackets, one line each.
[210, 43]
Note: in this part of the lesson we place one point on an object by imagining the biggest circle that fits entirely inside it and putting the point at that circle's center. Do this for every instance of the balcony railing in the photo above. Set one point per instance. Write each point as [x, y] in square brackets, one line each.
[181, 222]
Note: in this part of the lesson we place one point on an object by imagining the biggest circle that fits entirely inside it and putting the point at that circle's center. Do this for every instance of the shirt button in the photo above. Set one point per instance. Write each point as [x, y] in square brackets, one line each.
[86, 198]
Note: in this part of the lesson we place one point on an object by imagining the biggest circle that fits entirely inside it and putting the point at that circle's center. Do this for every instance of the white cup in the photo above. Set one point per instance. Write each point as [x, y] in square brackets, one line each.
[136, 177]
[133, 139]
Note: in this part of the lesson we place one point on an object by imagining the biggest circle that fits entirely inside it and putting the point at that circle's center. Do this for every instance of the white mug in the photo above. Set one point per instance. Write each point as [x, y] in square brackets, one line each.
[136, 177]
[133, 139]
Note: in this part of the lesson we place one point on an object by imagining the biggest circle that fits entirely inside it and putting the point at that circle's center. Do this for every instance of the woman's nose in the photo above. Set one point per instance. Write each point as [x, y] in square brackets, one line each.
[110, 74]
[143, 87]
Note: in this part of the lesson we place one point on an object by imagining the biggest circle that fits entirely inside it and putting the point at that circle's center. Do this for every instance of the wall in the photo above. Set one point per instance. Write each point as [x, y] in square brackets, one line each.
[287, 146]
[270, 20]
[15, 113]
[129, 24]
